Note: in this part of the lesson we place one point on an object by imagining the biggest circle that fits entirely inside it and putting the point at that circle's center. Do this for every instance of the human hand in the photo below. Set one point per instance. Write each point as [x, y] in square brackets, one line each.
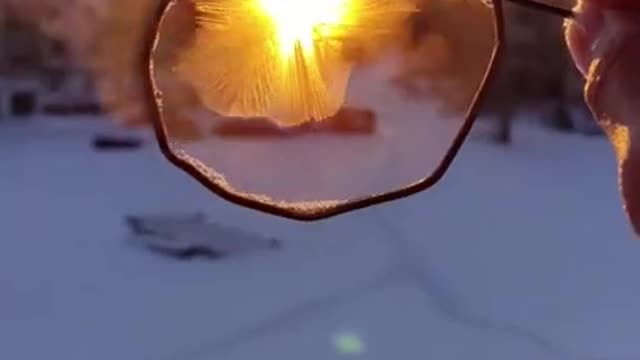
[604, 41]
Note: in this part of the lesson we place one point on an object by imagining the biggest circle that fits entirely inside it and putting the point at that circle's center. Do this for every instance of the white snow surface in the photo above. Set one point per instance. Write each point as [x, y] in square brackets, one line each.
[520, 253]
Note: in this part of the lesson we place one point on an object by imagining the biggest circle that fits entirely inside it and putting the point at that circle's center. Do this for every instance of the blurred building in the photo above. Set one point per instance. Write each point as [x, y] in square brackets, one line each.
[36, 72]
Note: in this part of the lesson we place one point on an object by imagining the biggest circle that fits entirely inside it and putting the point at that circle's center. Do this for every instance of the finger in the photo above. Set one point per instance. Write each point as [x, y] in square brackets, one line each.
[614, 96]
[582, 32]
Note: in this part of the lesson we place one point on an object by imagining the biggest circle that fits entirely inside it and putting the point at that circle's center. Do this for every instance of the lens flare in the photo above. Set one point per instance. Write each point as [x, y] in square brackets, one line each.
[281, 59]
[349, 344]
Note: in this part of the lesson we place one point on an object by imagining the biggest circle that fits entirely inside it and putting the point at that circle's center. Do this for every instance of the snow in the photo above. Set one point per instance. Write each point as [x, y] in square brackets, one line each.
[306, 169]
[520, 253]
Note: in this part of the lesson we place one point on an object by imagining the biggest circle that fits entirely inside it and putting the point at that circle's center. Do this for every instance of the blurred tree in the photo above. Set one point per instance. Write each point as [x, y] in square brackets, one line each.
[116, 61]
[23, 44]
[537, 74]
[451, 48]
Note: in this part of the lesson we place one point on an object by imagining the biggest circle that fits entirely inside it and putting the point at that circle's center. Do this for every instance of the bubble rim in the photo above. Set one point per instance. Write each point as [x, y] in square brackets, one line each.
[305, 211]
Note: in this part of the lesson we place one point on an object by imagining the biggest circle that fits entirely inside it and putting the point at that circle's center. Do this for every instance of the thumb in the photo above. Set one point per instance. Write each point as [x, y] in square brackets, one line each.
[604, 42]
[613, 94]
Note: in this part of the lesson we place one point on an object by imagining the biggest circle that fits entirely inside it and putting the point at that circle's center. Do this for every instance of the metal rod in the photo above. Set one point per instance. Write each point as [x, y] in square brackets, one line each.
[550, 9]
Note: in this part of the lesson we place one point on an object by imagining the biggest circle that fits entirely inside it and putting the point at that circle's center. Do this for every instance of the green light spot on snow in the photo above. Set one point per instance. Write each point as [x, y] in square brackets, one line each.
[348, 344]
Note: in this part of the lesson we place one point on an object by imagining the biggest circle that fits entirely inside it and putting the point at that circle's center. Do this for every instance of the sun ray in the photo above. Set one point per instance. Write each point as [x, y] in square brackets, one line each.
[282, 59]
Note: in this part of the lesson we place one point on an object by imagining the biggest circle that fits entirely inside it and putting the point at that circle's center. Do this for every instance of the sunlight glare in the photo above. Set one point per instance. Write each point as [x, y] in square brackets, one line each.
[303, 21]
[282, 59]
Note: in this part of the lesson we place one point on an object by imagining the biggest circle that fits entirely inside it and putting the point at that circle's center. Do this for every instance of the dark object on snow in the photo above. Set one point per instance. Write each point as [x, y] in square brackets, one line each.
[348, 121]
[23, 103]
[108, 142]
[189, 236]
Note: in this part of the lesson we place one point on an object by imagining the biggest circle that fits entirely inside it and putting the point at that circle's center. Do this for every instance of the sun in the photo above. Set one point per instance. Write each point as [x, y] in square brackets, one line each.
[283, 59]
[302, 22]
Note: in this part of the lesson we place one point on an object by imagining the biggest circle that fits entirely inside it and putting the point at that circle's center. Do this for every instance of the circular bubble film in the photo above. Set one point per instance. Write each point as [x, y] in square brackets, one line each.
[318, 103]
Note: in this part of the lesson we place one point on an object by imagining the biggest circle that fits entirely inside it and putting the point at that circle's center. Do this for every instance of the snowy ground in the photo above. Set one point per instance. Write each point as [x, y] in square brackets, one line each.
[519, 254]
